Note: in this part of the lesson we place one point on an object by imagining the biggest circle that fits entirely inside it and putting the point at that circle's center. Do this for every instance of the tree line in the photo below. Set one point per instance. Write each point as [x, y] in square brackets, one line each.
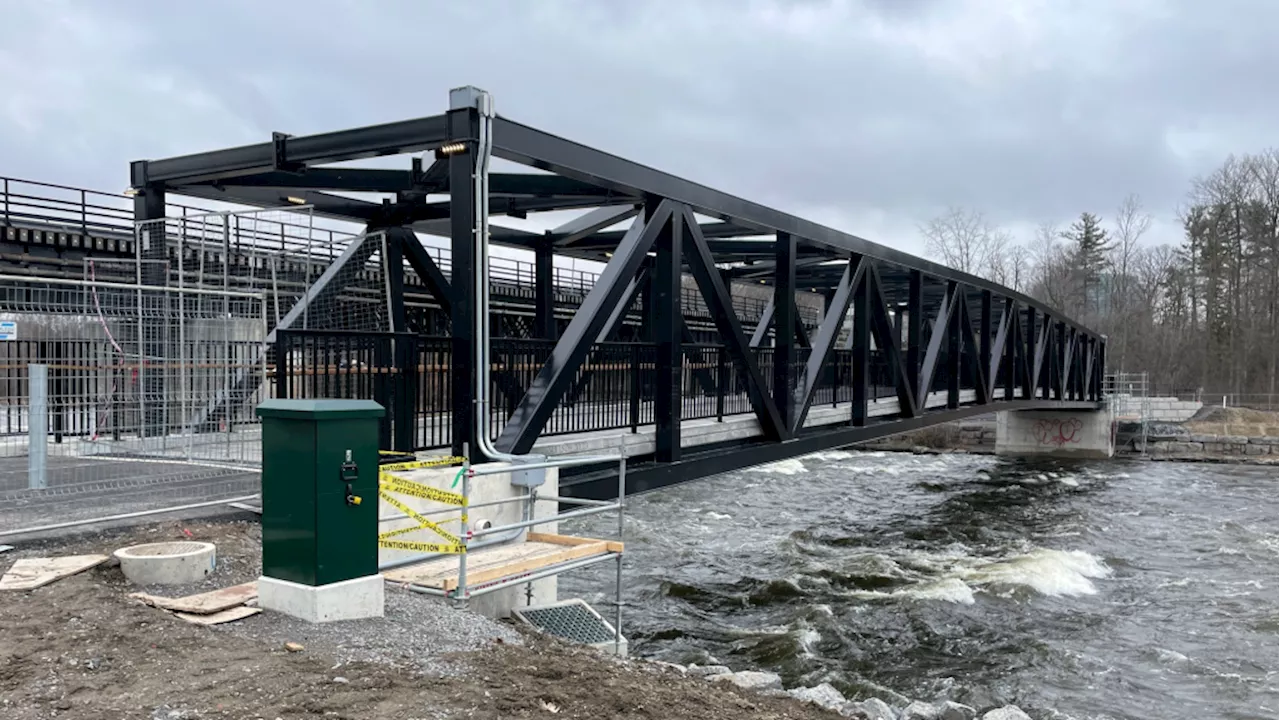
[1200, 314]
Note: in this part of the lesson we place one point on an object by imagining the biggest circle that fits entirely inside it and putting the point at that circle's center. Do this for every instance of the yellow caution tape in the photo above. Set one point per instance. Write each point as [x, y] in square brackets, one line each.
[422, 547]
[391, 483]
[397, 533]
[418, 464]
[422, 521]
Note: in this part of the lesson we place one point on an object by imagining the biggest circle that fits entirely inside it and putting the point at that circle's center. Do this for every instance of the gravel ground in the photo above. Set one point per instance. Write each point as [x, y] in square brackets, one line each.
[239, 560]
[79, 648]
[417, 632]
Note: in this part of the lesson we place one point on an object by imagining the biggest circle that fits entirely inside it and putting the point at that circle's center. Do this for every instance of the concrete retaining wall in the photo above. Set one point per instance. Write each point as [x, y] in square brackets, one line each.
[1230, 445]
[1159, 409]
[979, 436]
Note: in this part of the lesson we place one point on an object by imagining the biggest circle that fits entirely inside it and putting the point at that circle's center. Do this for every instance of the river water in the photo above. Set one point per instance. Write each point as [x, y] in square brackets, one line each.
[1110, 589]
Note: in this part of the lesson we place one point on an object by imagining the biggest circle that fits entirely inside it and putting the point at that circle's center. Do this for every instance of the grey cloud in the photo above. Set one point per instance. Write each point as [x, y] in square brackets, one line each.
[1030, 112]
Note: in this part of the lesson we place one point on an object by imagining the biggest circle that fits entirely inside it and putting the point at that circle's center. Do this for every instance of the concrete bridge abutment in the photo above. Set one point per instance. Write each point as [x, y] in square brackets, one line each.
[1084, 434]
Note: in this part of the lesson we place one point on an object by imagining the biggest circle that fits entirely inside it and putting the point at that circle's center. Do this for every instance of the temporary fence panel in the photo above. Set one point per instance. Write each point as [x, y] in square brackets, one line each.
[136, 395]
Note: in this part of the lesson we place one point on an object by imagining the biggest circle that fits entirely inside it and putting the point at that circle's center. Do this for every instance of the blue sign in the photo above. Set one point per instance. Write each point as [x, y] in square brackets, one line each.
[8, 330]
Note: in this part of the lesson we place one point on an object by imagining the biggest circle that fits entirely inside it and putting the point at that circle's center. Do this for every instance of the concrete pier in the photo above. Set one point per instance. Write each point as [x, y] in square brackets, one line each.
[1055, 433]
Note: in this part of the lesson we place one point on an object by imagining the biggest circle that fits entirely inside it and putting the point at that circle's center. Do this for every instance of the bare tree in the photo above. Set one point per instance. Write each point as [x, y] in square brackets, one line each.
[1050, 277]
[1131, 223]
[966, 240]
[1201, 314]
[1016, 266]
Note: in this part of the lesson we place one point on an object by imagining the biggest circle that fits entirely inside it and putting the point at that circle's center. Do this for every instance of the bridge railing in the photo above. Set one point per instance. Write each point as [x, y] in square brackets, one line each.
[67, 208]
[411, 375]
[75, 217]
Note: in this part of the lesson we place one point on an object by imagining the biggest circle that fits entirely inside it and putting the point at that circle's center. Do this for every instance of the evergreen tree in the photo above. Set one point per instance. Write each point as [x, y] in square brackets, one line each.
[1089, 245]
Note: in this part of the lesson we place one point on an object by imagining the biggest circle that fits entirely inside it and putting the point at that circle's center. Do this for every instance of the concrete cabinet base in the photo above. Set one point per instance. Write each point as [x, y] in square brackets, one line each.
[353, 599]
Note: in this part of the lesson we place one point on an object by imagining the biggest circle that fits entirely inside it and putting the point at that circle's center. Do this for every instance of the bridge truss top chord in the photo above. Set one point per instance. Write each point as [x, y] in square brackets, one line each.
[925, 327]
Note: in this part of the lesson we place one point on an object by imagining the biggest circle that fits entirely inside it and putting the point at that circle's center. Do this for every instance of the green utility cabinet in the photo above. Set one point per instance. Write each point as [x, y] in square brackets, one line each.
[319, 489]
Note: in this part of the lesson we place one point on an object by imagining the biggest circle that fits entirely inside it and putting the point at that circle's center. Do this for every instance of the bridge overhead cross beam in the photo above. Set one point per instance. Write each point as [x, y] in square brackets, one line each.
[914, 321]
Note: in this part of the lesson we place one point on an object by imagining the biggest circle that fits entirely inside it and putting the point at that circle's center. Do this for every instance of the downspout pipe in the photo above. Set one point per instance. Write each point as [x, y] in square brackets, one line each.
[483, 102]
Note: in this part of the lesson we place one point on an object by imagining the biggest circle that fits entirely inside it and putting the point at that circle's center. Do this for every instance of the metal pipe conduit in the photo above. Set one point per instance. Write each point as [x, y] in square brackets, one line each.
[549, 519]
[483, 102]
[441, 511]
[572, 501]
[562, 461]
[394, 564]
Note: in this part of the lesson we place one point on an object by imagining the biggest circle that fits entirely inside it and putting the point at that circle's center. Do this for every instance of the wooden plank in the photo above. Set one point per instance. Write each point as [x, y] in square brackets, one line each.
[223, 616]
[433, 572]
[520, 567]
[494, 563]
[426, 573]
[204, 603]
[31, 573]
[554, 539]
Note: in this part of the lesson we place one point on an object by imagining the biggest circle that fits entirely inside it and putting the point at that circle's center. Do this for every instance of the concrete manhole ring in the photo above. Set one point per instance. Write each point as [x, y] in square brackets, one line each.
[167, 563]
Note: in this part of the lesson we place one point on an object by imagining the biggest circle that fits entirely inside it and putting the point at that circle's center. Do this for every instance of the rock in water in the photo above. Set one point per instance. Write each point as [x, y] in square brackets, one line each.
[707, 670]
[751, 680]
[918, 710]
[1008, 712]
[824, 696]
[937, 711]
[870, 709]
[956, 711]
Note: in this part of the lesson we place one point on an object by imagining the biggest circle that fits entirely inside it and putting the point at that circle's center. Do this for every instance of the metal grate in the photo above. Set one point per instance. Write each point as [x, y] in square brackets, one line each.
[573, 620]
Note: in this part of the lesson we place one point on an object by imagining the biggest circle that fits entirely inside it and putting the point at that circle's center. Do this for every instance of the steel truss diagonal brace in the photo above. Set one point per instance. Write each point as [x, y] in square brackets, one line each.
[555, 377]
[702, 265]
[422, 263]
[1021, 358]
[941, 322]
[889, 341]
[1037, 365]
[620, 311]
[766, 319]
[591, 222]
[358, 252]
[998, 349]
[762, 327]
[1068, 361]
[832, 322]
[968, 338]
[1091, 352]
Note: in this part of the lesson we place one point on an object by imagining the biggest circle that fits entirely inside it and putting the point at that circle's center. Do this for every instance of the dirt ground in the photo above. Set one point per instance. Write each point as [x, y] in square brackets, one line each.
[1236, 421]
[79, 648]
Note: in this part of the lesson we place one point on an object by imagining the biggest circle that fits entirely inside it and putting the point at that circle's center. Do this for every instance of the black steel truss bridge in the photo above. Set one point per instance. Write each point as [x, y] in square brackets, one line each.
[896, 342]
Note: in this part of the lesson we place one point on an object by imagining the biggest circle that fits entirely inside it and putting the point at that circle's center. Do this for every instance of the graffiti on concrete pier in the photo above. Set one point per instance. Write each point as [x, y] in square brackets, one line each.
[1056, 431]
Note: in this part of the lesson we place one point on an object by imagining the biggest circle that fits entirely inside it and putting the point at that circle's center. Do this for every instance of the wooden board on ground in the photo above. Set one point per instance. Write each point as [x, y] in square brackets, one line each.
[31, 573]
[204, 603]
[222, 616]
[495, 563]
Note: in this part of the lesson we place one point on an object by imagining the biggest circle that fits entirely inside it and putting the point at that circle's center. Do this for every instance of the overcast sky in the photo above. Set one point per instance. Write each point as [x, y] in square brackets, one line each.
[869, 116]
